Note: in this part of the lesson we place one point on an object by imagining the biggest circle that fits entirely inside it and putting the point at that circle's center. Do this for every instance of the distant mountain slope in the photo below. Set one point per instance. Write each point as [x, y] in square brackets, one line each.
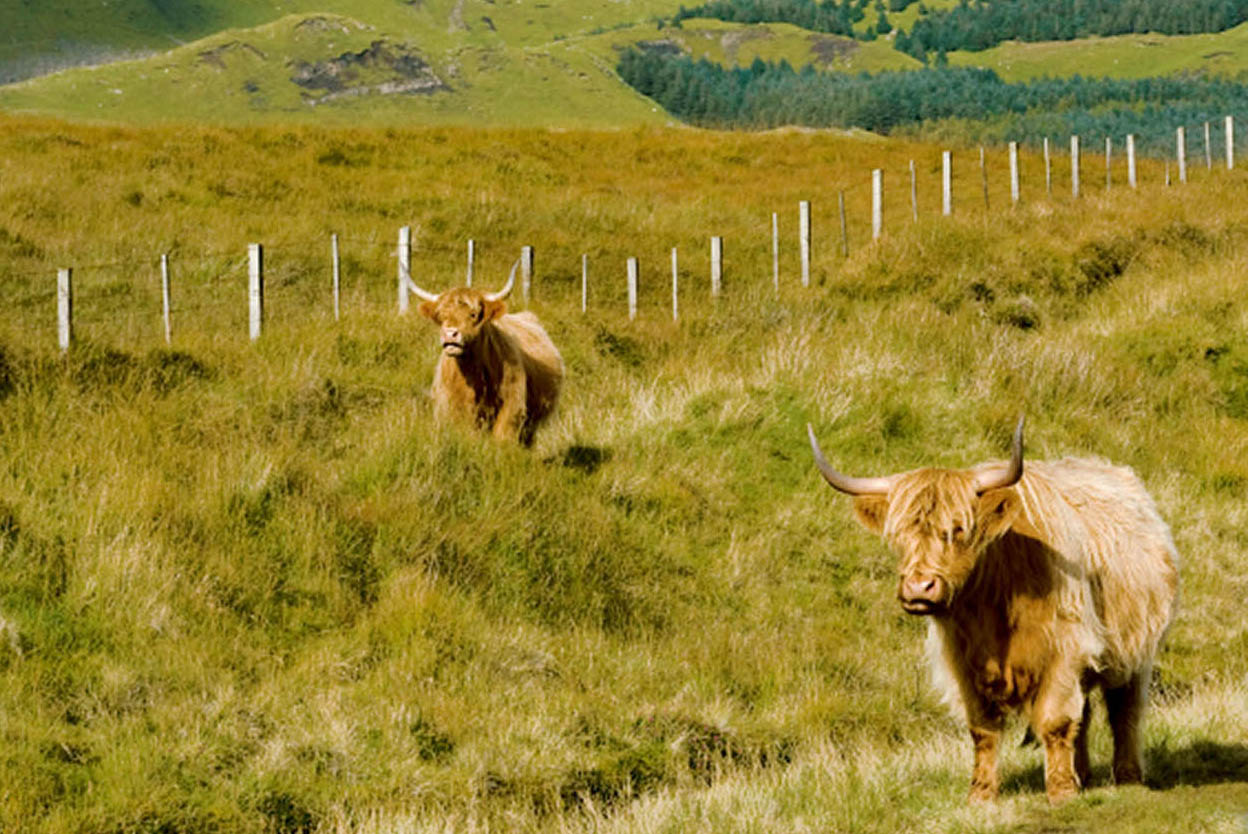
[479, 62]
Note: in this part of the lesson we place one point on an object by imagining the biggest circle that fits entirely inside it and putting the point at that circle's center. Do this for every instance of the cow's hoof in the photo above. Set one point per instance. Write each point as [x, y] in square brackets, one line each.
[981, 793]
[1128, 774]
[1061, 793]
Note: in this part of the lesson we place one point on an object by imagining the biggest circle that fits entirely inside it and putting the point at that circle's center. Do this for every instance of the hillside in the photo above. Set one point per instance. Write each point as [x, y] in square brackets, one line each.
[253, 587]
[482, 62]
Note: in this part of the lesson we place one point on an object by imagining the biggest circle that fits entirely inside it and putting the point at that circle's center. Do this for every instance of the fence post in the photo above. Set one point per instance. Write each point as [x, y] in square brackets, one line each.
[526, 271]
[632, 288]
[164, 298]
[877, 203]
[405, 265]
[1048, 169]
[1013, 172]
[584, 283]
[840, 200]
[1074, 166]
[64, 307]
[1180, 143]
[472, 251]
[333, 245]
[717, 265]
[1109, 148]
[255, 289]
[1131, 159]
[946, 183]
[775, 251]
[914, 193]
[1208, 149]
[983, 175]
[675, 288]
[1230, 142]
[803, 232]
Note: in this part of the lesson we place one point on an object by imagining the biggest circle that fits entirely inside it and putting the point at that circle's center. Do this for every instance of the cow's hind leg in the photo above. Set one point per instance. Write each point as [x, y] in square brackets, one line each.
[1125, 705]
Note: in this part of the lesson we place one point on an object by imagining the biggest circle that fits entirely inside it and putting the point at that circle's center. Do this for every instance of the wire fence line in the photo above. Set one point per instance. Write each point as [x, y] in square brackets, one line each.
[191, 283]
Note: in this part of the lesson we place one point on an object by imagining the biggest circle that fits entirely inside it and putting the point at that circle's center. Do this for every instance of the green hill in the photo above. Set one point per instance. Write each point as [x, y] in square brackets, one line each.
[472, 62]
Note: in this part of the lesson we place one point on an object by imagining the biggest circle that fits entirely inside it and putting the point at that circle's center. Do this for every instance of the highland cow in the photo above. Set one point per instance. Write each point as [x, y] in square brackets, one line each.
[499, 370]
[1038, 587]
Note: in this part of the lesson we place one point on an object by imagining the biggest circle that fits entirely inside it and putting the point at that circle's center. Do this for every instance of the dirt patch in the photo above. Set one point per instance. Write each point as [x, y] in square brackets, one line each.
[383, 68]
[829, 49]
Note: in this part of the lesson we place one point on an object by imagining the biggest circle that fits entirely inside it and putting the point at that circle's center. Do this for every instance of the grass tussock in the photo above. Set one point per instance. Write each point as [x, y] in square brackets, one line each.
[254, 587]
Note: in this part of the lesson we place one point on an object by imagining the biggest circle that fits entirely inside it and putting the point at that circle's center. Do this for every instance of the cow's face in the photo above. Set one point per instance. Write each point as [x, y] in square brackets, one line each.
[939, 526]
[461, 314]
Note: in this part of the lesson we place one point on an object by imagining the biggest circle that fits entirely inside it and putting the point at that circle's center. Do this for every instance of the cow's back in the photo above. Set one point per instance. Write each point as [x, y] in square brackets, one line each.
[1116, 557]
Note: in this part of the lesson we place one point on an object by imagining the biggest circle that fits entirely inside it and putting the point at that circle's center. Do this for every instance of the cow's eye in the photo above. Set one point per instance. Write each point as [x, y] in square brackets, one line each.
[477, 314]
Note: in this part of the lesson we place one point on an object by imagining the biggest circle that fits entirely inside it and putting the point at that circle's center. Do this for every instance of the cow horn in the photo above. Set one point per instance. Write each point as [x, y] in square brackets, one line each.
[1009, 475]
[506, 290]
[844, 483]
[415, 290]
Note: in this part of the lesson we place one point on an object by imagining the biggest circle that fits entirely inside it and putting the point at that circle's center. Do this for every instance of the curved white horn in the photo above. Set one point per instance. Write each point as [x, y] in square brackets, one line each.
[506, 290]
[1009, 475]
[417, 291]
[845, 483]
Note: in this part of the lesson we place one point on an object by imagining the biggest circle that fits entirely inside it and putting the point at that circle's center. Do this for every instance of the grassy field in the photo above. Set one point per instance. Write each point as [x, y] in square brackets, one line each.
[253, 587]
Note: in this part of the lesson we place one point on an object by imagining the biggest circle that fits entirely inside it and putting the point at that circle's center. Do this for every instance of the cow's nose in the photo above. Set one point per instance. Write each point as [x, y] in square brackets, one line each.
[921, 588]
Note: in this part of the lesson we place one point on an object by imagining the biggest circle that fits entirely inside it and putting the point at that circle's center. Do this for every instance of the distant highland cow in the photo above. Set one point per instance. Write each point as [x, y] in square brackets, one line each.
[499, 370]
[1038, 588]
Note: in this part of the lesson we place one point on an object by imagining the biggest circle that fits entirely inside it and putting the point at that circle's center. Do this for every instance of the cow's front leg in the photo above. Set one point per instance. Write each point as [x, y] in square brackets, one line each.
[512, 410]
[986, 722]
[1058, 719]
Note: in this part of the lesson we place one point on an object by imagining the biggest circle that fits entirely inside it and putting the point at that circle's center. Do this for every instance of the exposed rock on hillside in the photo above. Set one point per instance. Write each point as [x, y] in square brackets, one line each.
[383, 68]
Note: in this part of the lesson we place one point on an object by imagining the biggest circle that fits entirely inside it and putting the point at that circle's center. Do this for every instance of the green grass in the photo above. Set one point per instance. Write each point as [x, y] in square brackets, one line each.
[1126, 56]
[253, 587]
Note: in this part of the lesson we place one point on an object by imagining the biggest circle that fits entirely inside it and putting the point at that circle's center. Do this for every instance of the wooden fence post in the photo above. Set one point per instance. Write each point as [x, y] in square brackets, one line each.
[840, 201]
[877, 203]
[255, 289]
[1074, 166]
[164, 298]
[675, 288]
[65, 308]
[1230, 142]
[1208, 149]
[1013, 172]
[914, 193]
[333, 245]
[1109, 147]
[1131, 160]
[584, 283]
[632, 288]
[946, 183]
[472, 252]
[405, 265]
[1048, 169]
[717, 265]
[775, 251]
[1180, 145]
[803, 232]
[526, 271]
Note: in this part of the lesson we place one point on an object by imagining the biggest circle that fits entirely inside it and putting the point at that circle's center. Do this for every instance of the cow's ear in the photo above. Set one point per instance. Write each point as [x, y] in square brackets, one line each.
[494, 309]
[429, 310]
[998, 510]
[871, 510]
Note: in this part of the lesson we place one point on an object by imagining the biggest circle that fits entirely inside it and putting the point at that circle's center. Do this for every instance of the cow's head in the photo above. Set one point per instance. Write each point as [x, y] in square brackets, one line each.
[939, 521]
[461, 313]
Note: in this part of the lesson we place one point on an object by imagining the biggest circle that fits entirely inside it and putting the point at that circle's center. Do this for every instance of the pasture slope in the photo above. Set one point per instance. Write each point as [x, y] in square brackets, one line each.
[453, 62]
[253, 588]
